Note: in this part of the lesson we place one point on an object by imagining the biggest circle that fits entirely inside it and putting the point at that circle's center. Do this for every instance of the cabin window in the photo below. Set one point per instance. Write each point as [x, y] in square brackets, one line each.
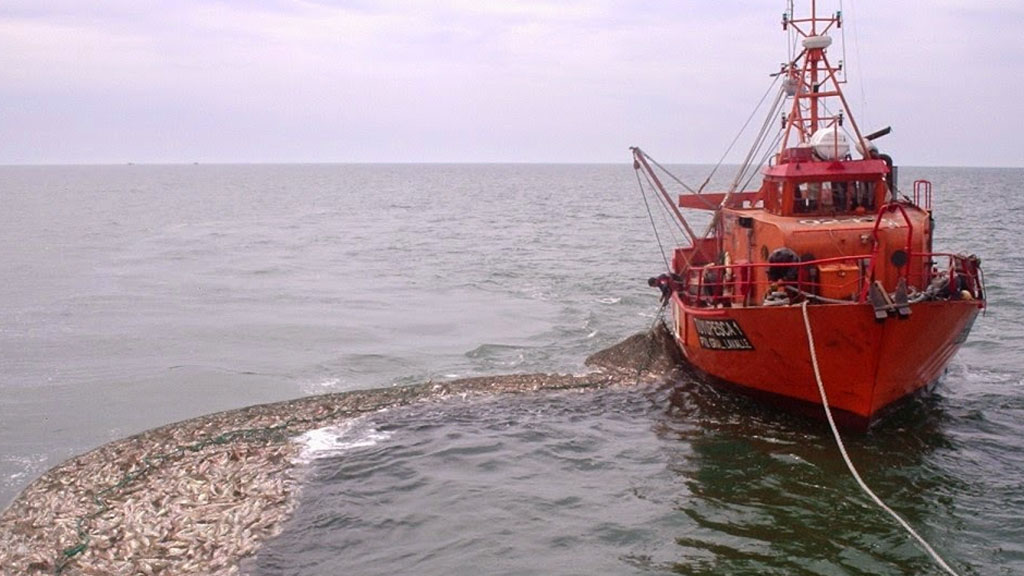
[863, 196]
[807, 197]
[854, 196]
[834, 197]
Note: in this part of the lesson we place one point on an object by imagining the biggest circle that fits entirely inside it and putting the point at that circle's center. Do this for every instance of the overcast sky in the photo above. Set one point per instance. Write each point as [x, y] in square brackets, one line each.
[484, 80]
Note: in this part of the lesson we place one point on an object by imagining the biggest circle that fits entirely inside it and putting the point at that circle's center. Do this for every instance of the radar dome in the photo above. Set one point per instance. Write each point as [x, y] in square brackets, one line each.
[830, 144]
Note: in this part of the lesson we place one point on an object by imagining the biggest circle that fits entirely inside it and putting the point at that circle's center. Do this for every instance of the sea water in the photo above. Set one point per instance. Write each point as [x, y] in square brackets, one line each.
[135, 296]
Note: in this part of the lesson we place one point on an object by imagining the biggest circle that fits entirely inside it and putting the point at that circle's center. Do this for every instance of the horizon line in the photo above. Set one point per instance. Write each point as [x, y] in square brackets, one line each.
[410, 163]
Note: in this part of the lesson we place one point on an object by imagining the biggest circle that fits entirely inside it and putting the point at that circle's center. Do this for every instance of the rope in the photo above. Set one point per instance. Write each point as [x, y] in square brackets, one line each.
[651, 216]
[764, 158]
[743, 128]
[645, 365]
[677, 229]
[669, 174]
[846, 457]
[762, 134]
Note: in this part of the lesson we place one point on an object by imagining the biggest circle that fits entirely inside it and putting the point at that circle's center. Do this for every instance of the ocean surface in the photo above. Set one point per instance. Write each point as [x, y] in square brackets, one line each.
[136, 296]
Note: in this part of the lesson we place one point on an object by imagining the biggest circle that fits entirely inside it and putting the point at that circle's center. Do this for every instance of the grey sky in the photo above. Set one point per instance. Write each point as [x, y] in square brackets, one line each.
[483, 80]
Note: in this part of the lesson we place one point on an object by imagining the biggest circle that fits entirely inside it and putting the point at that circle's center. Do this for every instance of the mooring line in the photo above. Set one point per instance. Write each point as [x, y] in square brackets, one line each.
[846, 457]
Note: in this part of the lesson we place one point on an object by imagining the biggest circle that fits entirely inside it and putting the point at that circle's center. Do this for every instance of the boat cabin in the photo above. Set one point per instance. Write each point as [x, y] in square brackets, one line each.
[811, 228]
[825, 188]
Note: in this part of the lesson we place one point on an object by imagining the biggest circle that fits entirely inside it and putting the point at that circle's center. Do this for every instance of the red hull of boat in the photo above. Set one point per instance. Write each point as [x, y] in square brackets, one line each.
[866, 365]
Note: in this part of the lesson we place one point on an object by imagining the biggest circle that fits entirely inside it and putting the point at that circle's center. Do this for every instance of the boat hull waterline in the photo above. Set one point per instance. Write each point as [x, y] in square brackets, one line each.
[866, 366]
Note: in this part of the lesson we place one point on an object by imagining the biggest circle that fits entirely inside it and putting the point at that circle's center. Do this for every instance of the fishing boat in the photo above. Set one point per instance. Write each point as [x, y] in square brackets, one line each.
[820, 286]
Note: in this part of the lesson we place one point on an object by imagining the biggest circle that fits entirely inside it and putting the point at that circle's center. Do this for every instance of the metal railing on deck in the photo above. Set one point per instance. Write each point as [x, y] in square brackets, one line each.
[923, 194]
[844, 279]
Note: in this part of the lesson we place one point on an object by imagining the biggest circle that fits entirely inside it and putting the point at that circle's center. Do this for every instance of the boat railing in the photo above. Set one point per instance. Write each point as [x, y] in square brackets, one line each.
[923, 194]
[841, 279]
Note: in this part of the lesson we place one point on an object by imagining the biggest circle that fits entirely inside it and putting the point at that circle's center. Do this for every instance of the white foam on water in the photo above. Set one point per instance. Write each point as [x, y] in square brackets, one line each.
[26, 466]
[334, 440]
[322, 386]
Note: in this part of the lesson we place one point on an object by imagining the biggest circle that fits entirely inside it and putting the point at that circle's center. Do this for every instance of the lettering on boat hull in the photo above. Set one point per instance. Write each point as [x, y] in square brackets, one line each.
[721, 334]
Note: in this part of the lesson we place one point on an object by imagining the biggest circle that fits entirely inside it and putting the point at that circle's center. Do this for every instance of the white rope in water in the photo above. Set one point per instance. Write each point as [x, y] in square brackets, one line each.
[846, 457]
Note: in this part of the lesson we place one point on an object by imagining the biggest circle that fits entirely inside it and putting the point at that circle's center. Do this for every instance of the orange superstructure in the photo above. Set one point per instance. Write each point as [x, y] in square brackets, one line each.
[826, 229]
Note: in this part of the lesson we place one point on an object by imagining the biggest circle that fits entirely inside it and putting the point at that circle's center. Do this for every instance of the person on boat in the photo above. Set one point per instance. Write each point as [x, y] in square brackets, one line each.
[667, 283]
[839, 196]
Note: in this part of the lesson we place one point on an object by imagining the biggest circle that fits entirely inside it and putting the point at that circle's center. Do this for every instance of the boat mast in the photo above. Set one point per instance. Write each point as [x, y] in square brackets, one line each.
[813, 81]
[814, 58]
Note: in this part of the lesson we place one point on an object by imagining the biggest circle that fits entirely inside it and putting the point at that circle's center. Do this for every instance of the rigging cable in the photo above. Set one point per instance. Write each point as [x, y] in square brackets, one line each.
[679, 226]
[846, 457]
[842, 68]
[761, 135]
[652, 340]
[758, 143]
[860, 76]
[669, 174]
[742, 129]
[753, 173]
[651, 216]
[764, 158]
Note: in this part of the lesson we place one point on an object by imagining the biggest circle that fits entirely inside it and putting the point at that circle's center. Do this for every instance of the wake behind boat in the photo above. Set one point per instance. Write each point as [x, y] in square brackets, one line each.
[827, 245]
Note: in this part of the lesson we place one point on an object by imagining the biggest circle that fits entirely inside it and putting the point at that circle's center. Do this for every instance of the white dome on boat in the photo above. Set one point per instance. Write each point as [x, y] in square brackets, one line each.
[830, 144]
[823, 41]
